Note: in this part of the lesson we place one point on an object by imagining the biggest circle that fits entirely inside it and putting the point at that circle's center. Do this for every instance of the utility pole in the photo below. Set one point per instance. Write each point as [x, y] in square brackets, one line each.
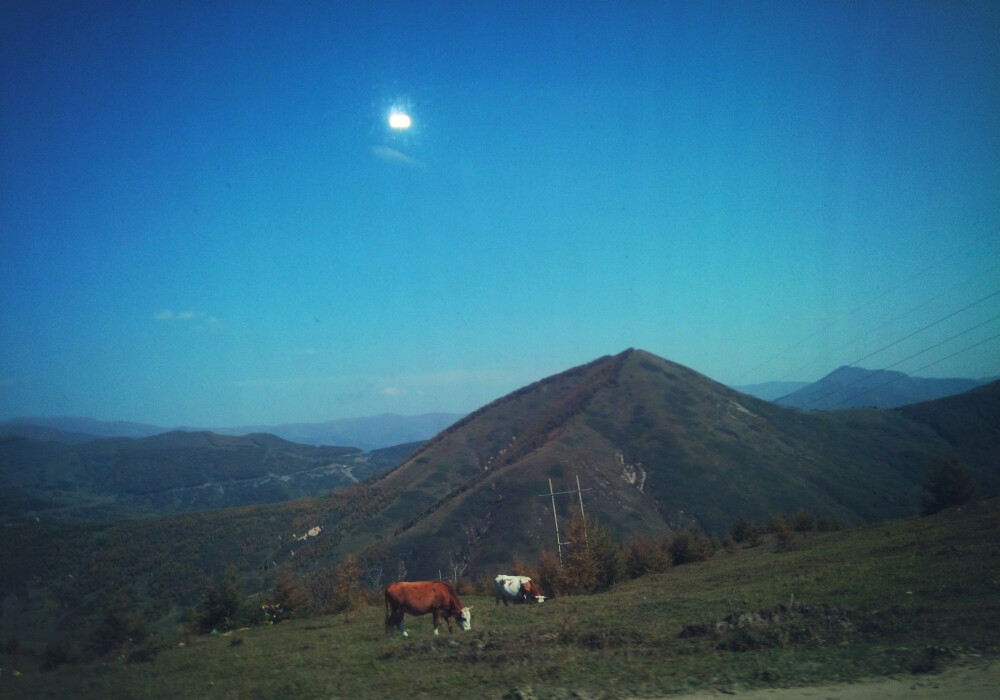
[555, 518]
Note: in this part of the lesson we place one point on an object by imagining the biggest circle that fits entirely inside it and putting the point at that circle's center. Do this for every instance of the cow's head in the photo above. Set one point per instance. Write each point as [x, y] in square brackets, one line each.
[532, 592]
[466, 619]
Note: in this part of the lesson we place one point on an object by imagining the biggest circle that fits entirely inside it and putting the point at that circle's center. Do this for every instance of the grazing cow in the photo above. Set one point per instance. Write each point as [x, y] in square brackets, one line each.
[420, 598]
[516, 589]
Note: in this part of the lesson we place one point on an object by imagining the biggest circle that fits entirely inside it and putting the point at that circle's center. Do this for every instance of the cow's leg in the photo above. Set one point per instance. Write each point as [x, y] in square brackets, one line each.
[395, 620]
[435, 613]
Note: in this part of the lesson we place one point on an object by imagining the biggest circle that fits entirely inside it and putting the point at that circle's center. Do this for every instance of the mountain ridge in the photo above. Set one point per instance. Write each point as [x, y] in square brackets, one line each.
[366, 433]
[856, 387]
[701, 452]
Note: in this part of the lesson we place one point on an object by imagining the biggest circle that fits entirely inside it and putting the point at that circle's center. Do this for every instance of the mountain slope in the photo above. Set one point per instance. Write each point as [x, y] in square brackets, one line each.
[659, 447]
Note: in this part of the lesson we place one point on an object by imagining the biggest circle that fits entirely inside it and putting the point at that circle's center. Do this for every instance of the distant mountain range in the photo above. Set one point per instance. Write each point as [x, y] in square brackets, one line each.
[369, 433]
[854, 387]
[121, 478]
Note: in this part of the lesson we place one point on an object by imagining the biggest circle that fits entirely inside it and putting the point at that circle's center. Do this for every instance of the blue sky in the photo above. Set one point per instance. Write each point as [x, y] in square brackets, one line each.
[205, 218]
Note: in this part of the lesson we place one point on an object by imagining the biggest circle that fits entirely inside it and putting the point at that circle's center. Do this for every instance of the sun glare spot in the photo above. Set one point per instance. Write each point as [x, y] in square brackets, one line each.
[399, 120]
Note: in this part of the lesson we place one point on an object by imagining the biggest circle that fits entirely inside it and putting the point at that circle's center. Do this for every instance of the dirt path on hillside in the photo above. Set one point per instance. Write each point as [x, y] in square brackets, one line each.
[974, 682]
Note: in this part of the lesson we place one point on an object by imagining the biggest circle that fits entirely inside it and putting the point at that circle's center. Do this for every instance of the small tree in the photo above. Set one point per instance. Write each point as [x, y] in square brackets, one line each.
[687, 547]
[550, 574]
[347, 586]
[223, 606]
[783, 535]
[288, 598]
[740, 531]
[948, 484]
[803, 521]
[593, 561]
[639, 557]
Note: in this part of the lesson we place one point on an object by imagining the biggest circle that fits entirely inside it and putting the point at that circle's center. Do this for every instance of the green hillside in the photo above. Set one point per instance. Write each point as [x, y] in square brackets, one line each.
[907, 598]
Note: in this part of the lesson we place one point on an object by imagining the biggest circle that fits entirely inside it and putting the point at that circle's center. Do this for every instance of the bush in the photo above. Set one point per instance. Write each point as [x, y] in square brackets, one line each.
[288, 598]
[740, 532]
[640, 557]
[783, 535]
[223, 606]
[347, 587]
[580, 567]
[948, 484]
[592, 562]
[689, 546]
[803, 521]
[550, 575]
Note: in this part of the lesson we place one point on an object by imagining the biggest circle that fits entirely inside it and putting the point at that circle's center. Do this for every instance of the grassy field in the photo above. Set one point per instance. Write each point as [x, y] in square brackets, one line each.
[904, 597]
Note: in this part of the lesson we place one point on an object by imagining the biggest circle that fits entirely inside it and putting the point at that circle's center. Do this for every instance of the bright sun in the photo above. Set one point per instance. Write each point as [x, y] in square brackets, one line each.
[399, 120]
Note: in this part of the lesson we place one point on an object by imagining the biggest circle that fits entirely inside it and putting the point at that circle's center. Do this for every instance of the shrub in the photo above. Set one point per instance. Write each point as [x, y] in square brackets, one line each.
[740, 532]
[288, 598]
[803, 521]
[591, 562]
[346, 587]
[223, 606]
[687, 547]
[783, 535]
[550, 574]
[639, 557]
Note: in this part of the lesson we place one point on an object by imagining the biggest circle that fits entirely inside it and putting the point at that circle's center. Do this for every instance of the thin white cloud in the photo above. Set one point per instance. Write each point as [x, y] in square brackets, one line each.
[170, 316]
[391, 155]
[392, 391]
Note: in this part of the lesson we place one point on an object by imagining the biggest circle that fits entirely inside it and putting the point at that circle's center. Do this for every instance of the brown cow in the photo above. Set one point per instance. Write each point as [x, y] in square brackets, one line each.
[420, 598]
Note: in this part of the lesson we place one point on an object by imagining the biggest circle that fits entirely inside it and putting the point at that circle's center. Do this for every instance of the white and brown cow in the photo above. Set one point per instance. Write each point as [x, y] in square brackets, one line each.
[516, 589]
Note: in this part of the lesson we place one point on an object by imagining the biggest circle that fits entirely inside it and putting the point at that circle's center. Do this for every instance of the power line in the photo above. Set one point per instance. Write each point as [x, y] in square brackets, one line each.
[906, 337]
[930, 325]
[894, 364]
[920, 369]
[922, 304]
[862, 306]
